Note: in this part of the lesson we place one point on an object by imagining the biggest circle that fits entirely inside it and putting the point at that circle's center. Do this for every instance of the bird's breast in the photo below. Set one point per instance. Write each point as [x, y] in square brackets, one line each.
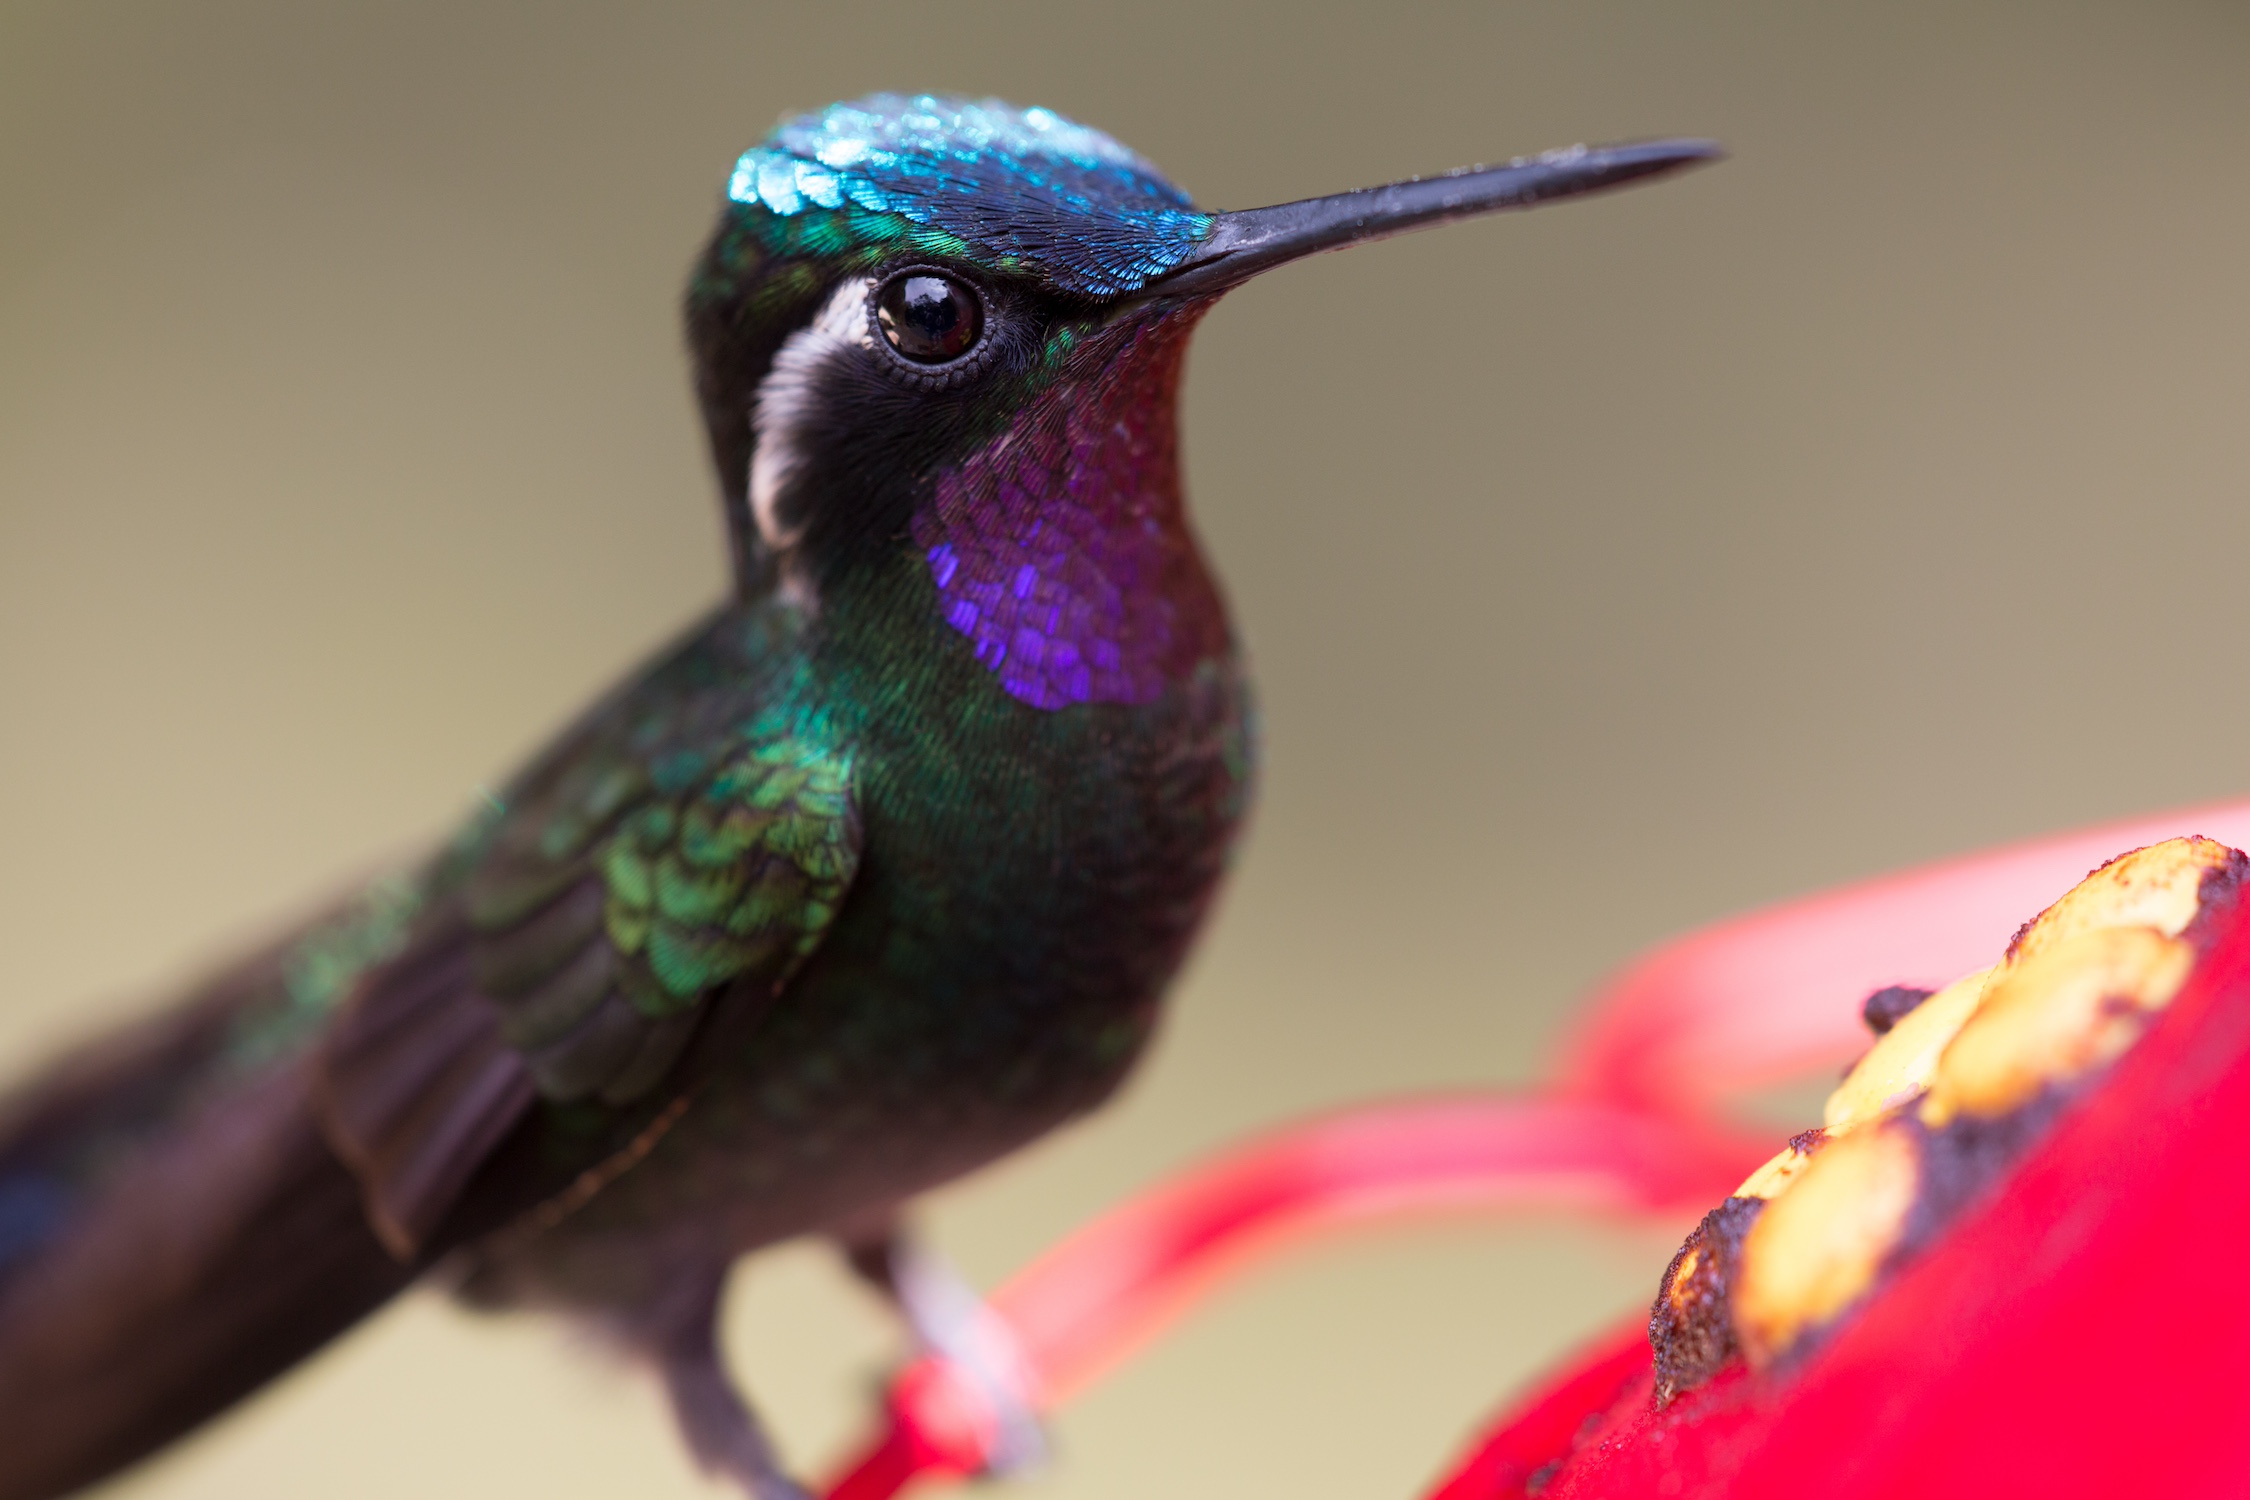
[1022, 901]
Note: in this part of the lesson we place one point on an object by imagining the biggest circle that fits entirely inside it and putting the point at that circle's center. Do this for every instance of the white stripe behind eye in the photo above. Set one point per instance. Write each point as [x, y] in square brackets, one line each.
[785, 399]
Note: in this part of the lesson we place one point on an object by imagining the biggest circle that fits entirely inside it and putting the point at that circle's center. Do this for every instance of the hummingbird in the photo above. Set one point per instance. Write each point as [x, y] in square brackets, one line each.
[877, 872]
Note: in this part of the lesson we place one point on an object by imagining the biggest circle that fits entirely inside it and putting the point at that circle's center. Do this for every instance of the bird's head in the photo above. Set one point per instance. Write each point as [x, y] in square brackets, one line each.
[938, 346]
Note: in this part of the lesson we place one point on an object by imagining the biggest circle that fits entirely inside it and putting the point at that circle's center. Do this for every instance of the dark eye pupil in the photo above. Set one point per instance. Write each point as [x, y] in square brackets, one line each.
[929, 318]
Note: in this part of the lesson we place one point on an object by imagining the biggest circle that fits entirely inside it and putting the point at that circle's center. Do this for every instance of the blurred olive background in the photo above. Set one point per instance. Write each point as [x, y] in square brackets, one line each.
[1873, 496]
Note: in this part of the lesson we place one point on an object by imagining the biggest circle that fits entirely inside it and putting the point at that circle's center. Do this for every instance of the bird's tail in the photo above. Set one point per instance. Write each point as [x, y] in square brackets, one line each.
[174, 1231]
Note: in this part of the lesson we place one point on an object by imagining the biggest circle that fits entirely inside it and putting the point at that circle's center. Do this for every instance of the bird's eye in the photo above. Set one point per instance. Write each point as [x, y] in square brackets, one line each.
[929, 317]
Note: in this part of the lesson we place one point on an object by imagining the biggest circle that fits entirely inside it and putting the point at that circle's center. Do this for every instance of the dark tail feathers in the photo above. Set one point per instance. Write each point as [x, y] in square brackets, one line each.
[222, 1250]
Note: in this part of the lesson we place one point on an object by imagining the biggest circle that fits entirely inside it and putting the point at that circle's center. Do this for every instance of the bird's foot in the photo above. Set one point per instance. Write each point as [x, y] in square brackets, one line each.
[722, 1431]
[979, 1350]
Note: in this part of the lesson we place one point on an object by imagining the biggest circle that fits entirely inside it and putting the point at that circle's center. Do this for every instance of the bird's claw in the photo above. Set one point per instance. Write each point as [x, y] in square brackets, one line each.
[979, 1355]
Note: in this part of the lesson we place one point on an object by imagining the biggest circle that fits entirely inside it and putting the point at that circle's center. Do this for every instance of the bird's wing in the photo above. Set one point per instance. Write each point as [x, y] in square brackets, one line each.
[669, 864]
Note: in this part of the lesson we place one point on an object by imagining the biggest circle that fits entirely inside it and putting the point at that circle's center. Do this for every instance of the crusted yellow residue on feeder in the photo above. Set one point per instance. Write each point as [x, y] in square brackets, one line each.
[1818, 1247]
[1784, 1167]
[1899, 1067]
[1905, 1145]
[1689, 1332]
[1681, 1276]
[2161, 889]
[2163, 886]
[2077, 1004]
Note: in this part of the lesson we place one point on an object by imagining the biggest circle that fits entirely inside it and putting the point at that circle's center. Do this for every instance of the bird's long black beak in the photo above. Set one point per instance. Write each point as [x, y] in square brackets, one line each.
[1251, 240]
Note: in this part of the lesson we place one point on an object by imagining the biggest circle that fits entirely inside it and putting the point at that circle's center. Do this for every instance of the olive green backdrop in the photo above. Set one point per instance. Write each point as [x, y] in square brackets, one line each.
[1876, 495]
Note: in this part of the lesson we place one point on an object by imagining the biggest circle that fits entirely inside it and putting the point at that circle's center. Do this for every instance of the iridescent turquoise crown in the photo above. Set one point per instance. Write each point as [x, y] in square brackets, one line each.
[1020, 188]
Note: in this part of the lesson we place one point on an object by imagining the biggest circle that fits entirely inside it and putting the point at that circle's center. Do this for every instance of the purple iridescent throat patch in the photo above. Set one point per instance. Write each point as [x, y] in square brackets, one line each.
[1061, 549]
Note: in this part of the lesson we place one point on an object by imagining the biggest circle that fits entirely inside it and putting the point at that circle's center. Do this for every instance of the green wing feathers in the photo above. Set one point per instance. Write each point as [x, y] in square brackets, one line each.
[743, 877]
[595, 921]
[604, 929]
